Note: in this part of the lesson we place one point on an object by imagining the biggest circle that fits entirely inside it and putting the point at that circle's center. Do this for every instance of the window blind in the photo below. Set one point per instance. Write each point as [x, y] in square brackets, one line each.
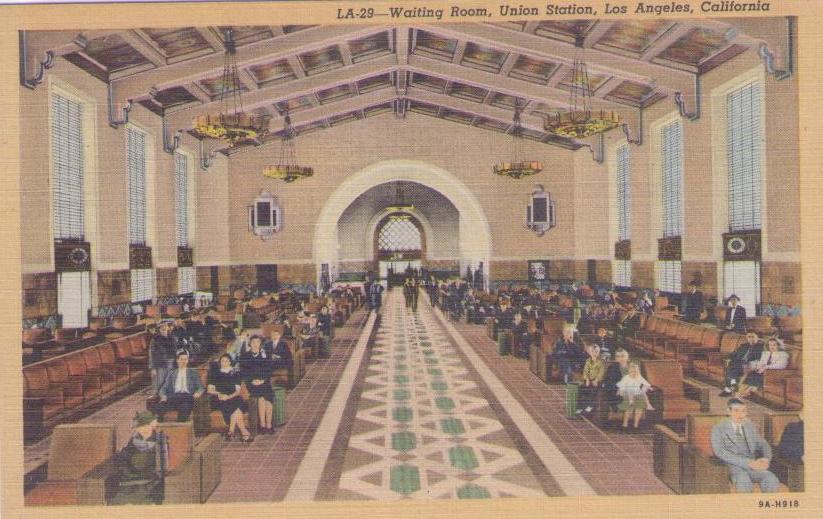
[622, 273]
[742, 278]
[142, 285]
[136, 166]
[186, 280]
[668, 276]
[743, 149]
[623, 193]
[68, 168]
[672, 162]
[181, 204]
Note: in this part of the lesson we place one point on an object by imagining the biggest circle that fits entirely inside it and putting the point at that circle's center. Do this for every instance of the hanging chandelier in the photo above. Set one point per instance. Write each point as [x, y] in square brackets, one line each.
[287, 168]
[580, 120]
[232, 124]
[517, 168]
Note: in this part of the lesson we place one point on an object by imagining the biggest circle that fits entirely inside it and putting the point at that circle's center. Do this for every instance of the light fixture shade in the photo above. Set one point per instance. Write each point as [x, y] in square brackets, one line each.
[287, 173]
[581, 123]
[518, 169]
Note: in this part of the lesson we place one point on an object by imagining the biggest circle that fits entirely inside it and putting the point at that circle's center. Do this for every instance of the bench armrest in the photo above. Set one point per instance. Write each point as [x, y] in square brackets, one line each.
[698, 391]
[97, 486]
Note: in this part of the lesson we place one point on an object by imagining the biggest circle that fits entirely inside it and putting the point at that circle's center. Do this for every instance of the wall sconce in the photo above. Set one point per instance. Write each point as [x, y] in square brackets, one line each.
[541, 214]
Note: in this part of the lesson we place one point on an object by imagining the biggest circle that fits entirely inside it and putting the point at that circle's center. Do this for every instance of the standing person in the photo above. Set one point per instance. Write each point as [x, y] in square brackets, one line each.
[161, 355]
[181, 388]
[407, 292]
[736, 316]
[414, 292]
[224, 384]
[691, 305]
[376, 290]
[737, 443]
[566, 354]
[741, 360]
[256, 370]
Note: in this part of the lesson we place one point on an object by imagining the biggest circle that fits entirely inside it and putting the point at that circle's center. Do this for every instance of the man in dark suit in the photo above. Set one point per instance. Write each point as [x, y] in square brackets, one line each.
[278, 350]
[739, 360]
[692, 304]
[738, 444]
[791, 442]
[736, 316]
[181, 387]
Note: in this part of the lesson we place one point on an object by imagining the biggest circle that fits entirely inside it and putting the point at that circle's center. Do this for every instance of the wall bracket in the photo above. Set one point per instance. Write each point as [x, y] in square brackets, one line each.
[113, 121]
[42, 66]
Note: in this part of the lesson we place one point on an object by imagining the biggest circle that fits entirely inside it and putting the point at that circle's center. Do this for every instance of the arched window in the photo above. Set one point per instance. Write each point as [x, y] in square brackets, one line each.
[399, 233]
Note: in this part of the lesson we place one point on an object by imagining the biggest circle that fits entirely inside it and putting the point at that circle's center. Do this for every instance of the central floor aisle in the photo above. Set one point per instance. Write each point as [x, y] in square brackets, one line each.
[422, 427]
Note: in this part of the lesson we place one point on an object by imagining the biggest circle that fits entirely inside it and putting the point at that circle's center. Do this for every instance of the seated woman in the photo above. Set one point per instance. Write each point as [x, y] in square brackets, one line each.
[774, 356]
[633, 388]
[224, 383]
[256, 370]
[239, 346]
[593, 373]
[520, 331]
[140, 481]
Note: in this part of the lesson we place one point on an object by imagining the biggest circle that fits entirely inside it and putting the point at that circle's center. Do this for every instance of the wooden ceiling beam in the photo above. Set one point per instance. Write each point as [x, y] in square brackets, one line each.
[601, 27]
[137, 40]
[212, 37]
[137, 86]
[666, 40]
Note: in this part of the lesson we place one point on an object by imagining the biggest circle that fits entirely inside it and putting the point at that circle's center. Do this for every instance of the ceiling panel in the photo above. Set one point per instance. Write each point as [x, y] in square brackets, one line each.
[378, 109]
[374, 83]
[490, 124]
[468, 92]
[507, 101]
[435, 46]
[565, 30]
[534, 70]
[424, 108]
[295, 104]
[631, 91]
[178, 42]
[174, 96]
[434, 84]
[697, 45]
[634, 36]
[335, 93]
[344, 118]
[272, 73]
[485, 58]
[322, 60]
[245, 34]
[214, 85]
[594, 80]
[114, 53]
[369, 47]
[457, 116]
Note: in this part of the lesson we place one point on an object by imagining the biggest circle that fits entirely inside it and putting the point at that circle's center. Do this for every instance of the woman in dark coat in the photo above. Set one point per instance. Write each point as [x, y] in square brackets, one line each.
[224, 384]
[256, 369]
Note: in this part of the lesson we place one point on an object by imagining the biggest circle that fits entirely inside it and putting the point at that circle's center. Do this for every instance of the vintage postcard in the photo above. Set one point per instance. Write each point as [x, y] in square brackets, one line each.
[411, 259]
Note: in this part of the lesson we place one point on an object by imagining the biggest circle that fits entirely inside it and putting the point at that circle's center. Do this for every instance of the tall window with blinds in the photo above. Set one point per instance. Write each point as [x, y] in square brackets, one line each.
[668, 275]
[744, 141]
[142, 285]
[672, 172]
[624, 198]
[68, 166]
[136, 173]
[186, 280]
[181, 203]
[622, 273]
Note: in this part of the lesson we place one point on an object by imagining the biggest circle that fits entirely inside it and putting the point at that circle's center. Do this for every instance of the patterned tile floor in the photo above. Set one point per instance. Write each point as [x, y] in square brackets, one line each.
[422, 427]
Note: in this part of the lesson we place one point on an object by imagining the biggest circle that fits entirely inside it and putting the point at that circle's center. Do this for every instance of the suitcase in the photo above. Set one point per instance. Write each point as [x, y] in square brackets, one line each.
[571, 399]
[279, 412]
[504, 343]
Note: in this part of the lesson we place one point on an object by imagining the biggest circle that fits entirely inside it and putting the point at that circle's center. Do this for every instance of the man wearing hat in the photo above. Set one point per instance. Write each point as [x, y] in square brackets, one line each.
[140, 480]
[743, 358]
[736, 316]
[692, 304]
[161, 354]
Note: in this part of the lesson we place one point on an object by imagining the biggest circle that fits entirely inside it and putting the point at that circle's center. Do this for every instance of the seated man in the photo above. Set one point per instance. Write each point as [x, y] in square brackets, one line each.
[278, 350]
[520, 330]
[791, 442]
[740, 361]
[737, 443]
[181, 387]
[605, 343]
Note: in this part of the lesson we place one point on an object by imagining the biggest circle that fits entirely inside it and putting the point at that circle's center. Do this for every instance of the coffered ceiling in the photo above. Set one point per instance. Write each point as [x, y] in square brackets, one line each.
[471, 74]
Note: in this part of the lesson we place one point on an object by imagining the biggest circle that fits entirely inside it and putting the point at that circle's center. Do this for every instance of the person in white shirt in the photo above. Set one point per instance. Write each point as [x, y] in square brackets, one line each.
[634, 388]
[773, 357]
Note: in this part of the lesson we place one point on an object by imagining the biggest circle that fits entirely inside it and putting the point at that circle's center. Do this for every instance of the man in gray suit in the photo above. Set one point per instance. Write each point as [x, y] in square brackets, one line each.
[736, 441]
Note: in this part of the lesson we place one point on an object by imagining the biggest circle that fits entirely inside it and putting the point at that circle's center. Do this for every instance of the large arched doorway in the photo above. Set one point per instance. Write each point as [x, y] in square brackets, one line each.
[399, 247]
[467, 242]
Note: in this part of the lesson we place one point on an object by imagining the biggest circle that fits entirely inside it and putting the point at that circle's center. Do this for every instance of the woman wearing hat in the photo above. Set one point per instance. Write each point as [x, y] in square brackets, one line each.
[774, 356]
[140, 482]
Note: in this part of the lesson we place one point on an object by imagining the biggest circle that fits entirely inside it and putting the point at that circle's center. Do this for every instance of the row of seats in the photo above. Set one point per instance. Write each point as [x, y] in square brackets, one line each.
[703, 352]
[687, 464]
[82, 466]
[65, 387]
